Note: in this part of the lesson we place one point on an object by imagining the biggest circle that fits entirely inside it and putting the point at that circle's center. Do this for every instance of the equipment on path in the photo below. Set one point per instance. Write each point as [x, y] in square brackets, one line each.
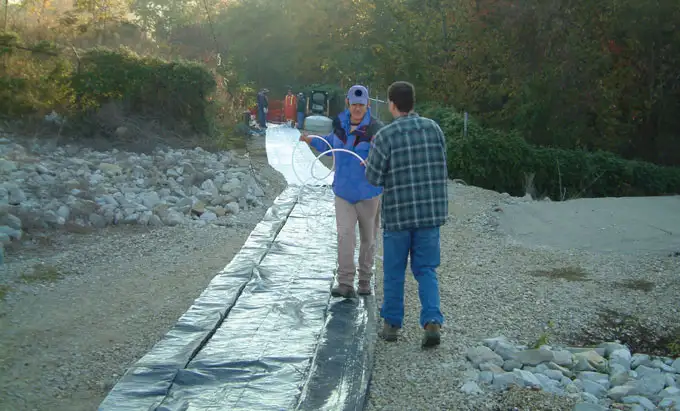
[320, 125]
[318, 103]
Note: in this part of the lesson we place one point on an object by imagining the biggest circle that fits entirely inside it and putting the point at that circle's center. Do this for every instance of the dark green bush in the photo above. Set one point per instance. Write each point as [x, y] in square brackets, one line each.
[500, 161]
[179, 91]
[39, 78]
[34, 79]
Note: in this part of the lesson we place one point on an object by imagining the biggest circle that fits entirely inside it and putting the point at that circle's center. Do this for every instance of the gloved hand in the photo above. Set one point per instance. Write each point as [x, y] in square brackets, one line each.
[305, 137]
[266, 110]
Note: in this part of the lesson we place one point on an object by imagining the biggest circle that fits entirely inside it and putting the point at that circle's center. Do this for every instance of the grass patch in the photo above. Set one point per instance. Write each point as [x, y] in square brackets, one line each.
[4, 290]
[637, 285]
[562, 273]
[611, 325]
[42, 273]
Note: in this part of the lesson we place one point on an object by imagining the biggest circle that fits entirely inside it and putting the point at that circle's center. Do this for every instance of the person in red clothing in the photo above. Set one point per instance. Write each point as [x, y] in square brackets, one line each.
[290, 107]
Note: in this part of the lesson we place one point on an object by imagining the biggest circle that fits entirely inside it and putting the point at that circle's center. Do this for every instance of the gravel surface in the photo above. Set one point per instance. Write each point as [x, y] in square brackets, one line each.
[78, 309]
[491, 285]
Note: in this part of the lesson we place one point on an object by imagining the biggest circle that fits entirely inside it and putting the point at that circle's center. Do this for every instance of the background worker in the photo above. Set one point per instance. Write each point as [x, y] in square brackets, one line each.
[301, 110]
[262, 107]
[290, 107]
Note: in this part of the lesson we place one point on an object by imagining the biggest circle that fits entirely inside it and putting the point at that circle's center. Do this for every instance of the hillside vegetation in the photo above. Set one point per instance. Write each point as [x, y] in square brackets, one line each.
[567, 99]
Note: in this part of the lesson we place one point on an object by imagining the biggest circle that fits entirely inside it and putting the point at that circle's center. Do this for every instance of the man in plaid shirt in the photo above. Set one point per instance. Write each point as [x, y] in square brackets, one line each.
[408, 159]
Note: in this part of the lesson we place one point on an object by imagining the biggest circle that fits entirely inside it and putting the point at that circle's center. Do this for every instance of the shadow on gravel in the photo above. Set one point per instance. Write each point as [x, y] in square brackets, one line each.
[562, 273]
[635, 285]
[631, 331]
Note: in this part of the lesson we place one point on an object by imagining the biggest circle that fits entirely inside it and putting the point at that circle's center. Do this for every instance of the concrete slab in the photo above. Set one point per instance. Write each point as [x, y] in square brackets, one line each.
[635, 225]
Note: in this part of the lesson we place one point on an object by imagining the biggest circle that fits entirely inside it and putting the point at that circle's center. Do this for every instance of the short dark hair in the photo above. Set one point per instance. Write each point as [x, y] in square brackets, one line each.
[403, 95]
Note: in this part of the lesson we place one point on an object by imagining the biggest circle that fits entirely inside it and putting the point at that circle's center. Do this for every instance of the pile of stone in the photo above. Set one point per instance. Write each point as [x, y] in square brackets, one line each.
[599, 378]
[70, 185]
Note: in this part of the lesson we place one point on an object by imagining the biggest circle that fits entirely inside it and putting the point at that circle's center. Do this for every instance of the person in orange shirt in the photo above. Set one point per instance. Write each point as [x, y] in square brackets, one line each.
[290, 107]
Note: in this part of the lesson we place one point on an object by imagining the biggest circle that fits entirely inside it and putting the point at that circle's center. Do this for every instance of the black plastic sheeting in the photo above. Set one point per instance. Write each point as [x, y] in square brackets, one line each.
[265, 334]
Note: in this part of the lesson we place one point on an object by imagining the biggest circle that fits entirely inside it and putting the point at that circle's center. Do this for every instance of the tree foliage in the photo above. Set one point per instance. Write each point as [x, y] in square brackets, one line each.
[569, 74]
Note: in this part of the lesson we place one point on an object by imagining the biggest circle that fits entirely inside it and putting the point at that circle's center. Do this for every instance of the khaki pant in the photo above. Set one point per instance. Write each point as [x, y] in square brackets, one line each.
[367, 214]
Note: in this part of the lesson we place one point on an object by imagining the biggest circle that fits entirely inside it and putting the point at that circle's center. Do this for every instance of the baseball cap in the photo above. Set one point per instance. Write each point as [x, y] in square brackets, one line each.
[358, 95]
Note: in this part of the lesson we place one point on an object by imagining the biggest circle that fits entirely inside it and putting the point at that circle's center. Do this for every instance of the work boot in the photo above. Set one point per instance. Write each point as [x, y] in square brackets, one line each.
[431, 335]
[364, 287]
[389, 332]
[343, 290]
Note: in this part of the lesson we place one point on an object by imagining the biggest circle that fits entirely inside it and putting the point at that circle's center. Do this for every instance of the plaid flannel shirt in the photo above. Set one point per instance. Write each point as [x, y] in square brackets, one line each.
[408, 159]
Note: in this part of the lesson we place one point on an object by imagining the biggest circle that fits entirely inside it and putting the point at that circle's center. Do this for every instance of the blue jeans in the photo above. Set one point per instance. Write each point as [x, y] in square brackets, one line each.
[261, 117]
[423, 246]
[300, 119]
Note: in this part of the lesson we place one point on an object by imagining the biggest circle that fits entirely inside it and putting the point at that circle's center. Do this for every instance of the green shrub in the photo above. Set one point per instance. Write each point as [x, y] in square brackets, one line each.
[178, 90]
[34, 79]
[500, 161]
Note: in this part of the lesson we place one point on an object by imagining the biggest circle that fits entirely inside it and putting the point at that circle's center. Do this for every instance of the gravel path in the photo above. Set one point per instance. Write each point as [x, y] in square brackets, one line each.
[487, 290]
[82, 308]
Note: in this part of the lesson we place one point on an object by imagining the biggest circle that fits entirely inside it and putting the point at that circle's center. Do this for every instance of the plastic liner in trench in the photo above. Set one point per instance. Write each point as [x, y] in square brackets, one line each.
[265, 334]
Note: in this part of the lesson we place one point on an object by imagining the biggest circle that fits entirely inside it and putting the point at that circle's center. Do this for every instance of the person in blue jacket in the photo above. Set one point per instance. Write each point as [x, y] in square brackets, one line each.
[356, 200]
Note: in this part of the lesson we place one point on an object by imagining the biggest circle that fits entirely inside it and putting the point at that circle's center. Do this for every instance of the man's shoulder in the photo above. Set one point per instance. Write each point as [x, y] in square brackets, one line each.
[374, 126]
[385, 129]
[424, 120]
[427, 124]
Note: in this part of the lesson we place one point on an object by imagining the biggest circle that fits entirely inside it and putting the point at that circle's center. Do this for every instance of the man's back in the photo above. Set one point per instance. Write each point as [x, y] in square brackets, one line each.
[409, 161]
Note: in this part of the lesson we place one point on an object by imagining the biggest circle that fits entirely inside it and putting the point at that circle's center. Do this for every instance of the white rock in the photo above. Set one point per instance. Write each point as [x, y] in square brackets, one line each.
[11, 220]
[173, 218]
[477, 355]
[670, 404]
[208, 216]
[586, 406]
[670, 392]
[617, 393]
[232, 208]
[640, 359]
[16, 195]
[636, 399]
[621, 357]
[471, 388]
[676, 365]
[64, 212]
[527, 378]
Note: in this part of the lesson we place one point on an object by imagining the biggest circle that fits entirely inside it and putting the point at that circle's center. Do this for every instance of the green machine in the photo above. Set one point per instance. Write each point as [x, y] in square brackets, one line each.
[318, 121]
[318, 103]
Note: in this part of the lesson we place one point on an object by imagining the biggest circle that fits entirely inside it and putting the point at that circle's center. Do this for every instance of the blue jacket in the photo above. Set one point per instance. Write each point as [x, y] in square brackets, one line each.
[350, 182]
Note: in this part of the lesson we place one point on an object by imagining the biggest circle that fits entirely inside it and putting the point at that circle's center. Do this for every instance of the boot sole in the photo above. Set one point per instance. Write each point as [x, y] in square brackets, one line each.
[334, 294]
[431, 340]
